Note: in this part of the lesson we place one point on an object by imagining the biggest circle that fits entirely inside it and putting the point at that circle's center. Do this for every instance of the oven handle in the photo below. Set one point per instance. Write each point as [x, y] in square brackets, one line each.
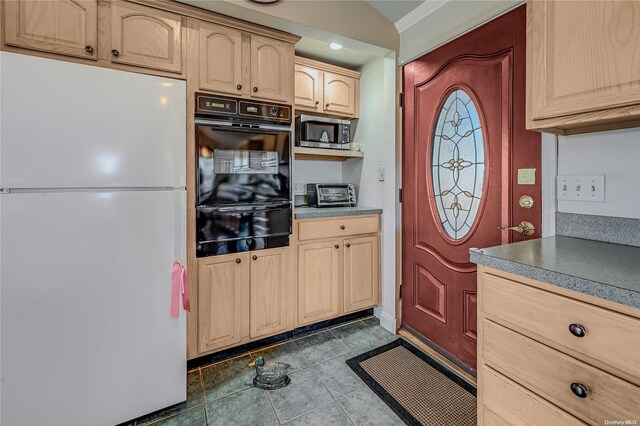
[244, 208]
[225, 125]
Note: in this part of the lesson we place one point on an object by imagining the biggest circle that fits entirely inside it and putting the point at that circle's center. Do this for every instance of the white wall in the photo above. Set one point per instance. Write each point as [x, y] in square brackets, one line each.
[615, 154]
[376, 133]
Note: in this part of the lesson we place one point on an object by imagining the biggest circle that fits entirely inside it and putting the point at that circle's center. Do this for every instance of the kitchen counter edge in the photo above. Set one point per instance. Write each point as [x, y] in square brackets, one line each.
[302, 213]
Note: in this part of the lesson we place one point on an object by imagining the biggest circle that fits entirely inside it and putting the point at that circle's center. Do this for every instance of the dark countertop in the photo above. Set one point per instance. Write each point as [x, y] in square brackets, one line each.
[314, 212]
[605, 270]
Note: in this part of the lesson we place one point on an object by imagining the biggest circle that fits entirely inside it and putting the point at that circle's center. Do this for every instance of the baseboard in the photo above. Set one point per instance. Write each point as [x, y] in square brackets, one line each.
[386, 321]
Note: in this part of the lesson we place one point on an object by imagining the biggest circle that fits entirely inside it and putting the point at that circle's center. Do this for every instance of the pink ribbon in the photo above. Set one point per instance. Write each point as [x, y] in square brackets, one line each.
[179, 289]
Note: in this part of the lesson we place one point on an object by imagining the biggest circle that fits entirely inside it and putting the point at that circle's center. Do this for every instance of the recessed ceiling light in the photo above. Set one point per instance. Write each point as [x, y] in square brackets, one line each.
[335, 46]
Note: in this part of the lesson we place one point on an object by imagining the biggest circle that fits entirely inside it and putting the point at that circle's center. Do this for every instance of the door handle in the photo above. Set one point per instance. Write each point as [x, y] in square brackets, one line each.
[524, 227]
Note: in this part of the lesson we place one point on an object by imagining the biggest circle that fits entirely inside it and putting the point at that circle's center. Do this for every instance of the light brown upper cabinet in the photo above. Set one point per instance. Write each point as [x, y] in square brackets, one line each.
[326, 89]
[67, 27]
[271, 69]
[221, 59]
[223, 296]
[583, 66]
[145, 37]
[272, 297]
[309, 88]
[361, 273]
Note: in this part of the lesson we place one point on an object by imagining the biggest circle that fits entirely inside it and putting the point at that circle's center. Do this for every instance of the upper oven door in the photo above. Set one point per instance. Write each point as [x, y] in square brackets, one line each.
[242, 165]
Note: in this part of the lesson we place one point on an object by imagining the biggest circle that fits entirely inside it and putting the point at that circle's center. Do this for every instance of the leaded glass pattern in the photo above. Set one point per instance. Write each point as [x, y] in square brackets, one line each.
[457, 164]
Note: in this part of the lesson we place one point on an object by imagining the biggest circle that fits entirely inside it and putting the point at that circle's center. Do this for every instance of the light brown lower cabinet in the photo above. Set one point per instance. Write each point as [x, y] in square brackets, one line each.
[243, 296]
[337, 276]
[547, 355]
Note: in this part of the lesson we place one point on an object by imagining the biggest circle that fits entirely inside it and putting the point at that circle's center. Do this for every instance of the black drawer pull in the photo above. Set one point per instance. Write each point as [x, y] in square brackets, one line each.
[337, 246]
[347, 245]
[238, 260]
[577, 330]
[254, 257]
[115, 53]
[342, 227]
[88, 49]
[579, 390]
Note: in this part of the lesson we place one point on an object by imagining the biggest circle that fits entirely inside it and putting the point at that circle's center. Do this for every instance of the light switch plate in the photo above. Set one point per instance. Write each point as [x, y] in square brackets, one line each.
[381, 174]
[581, 188]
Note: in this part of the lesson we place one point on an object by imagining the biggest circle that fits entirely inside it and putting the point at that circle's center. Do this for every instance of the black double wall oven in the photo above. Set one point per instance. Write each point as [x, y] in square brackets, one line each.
[243, 175]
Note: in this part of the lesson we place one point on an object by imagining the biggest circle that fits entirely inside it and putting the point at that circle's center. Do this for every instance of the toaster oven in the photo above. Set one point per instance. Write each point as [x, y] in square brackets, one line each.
[331, 195]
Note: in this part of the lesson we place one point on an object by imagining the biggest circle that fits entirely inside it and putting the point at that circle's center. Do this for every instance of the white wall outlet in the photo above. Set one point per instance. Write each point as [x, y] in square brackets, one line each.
[298, 188]
[581, 188]
[381, 174]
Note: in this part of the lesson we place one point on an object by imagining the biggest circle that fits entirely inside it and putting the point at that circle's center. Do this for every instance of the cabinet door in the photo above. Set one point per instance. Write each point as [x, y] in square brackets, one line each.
[318, 281]
[361, 273]
[223, 301]
[68, 27]
[220, 59]
[271, 295]
[340, 94]
[145, 37]
[582, 56]
[271, 68]
[308, 88]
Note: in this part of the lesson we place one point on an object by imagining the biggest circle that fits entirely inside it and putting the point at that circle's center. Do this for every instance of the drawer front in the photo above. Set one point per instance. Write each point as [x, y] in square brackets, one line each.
[550, 374]
[514, 405]
[338, 227]
[546, 317]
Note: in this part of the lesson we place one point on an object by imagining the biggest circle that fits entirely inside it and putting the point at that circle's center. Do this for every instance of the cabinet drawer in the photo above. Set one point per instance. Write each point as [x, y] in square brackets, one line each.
[550, 374]
[546, 317]
[339, 227]
[514, 405]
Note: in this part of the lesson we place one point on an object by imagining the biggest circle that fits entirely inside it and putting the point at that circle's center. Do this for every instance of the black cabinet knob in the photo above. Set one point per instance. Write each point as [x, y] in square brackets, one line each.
[239, 87]
[88, 49]
[115, 53]
[337, 246]
[327, 105]
[347, 245]
[254, 257]
[255, 89]
[577, 330]
[342, 227]
[579, 390]
[238, 260]
[317, 102]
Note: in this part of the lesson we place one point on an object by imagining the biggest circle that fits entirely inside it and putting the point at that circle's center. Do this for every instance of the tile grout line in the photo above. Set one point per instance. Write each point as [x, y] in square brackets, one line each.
[273, 408]
[345, 411]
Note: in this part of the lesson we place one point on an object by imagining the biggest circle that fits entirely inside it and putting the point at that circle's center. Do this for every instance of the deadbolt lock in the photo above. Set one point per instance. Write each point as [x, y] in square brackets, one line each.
[526, 202]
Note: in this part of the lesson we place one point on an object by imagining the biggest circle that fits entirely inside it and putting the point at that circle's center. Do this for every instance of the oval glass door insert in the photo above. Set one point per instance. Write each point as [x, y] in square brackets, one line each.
[457, 164]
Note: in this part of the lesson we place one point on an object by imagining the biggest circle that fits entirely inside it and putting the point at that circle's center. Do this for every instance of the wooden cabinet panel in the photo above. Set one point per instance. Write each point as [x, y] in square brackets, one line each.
[220, 59]
[146, 37]
[67, 27]
[271, 68]
[223, 301]
[340, 94]
[361, 273]
[338, 227]
[318, 281]
[271, 292]
[308, 88]
[514, 405]
[582, 58]
[546, 317]
[550, 374]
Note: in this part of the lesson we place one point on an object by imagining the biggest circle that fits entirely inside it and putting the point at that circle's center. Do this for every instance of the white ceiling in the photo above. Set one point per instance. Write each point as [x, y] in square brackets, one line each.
[395, 9]
[319, 49]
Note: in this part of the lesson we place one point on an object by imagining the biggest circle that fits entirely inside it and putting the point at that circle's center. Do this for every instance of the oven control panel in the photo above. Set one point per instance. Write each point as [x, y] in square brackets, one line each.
[228, 107]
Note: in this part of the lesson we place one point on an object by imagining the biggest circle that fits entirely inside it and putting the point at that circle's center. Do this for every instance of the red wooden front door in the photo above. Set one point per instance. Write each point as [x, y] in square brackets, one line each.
[464, 141]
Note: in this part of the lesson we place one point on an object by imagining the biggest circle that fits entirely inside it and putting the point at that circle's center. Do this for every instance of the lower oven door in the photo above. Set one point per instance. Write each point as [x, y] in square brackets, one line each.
[233, 229]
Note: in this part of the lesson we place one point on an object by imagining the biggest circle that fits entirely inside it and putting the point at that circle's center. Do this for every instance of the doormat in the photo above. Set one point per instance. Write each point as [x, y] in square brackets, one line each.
[419, 389]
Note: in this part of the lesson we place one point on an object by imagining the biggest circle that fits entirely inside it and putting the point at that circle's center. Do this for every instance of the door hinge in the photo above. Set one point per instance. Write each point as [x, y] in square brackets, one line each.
[401, 100]
[5, 190]
[399, 195]
[400, 292]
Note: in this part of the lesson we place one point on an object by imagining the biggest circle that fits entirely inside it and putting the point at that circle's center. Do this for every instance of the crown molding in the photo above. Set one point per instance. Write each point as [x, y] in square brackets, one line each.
[419, 13]
[461, 27]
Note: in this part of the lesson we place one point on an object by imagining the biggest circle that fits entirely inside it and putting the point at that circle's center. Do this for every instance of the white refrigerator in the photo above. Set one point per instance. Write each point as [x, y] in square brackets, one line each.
[92, 217]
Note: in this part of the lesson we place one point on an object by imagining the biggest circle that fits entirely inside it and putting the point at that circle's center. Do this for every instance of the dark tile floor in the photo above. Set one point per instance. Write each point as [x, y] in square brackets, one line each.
[323, 389]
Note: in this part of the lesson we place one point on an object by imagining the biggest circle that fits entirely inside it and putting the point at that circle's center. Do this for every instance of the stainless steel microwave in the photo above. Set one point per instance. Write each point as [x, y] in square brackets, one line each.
[323, 132]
